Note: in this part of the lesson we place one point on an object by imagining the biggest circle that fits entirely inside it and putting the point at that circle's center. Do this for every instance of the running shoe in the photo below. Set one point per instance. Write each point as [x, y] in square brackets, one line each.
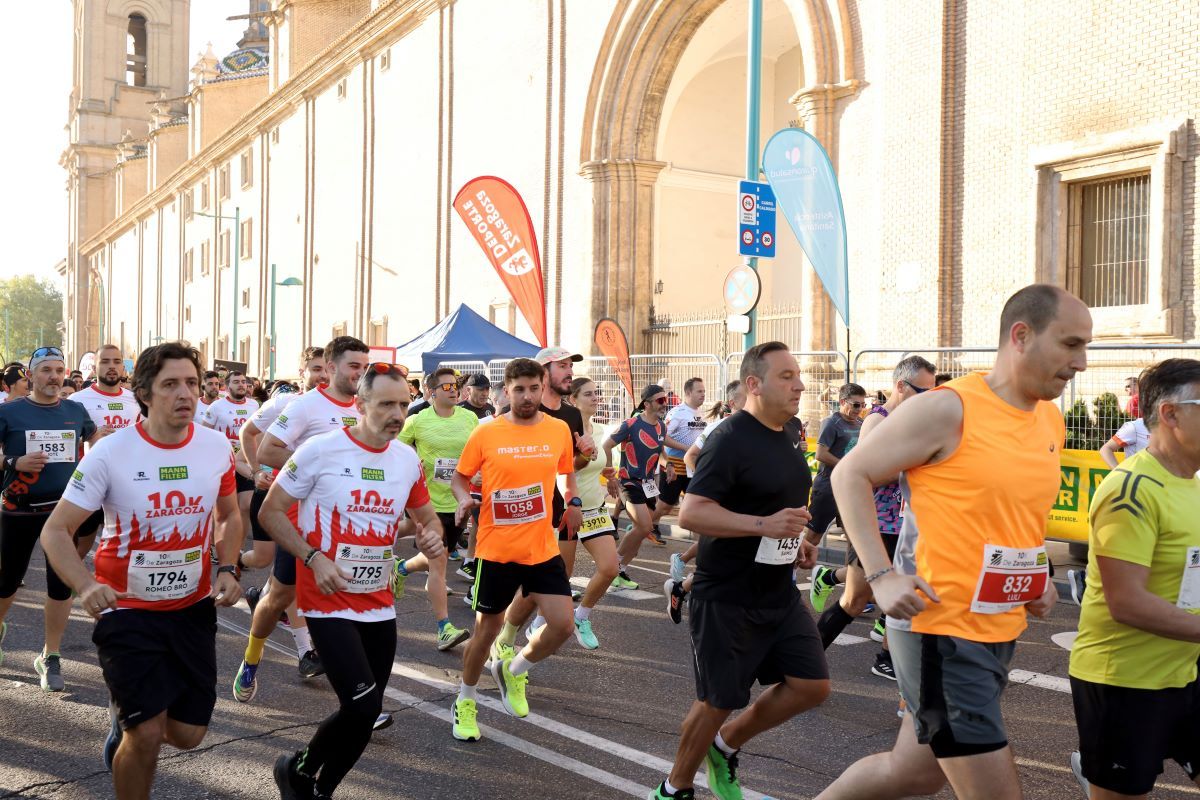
[677, 567]
[823, 581]
[451, 637]
[531, 631]
[883, 666]
[467, 570]
[660, 793]
[383, 721]
[3, 631]
[113, 740]
[466, 728]
[673, 591]
[449, 592]
[501, 652]
[310, 665]
[722, 774]
[1077, 768]
[469, 597]
[252, 595]
[901, 708]
[1077, 578]
[292, 785]
[512, 688]
[584, 634]
[623, 581]
[657, 537]
[49, 670]
[284, 620]
[455, 555]
[398, 580]
[868, 609]
[576, 595]
[879, 631]
[244, 684]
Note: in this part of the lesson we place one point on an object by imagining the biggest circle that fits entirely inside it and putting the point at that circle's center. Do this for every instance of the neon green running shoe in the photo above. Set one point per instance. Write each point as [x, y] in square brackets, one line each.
[451, 637]
[623, 581]
[722, 774]
[660, 793]
[465, 729]
[823, 581]
[512, 689]
[398, 580]
[501, 652]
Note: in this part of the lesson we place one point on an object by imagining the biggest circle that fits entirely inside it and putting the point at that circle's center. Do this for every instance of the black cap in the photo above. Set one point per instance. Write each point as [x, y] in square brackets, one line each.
[478, 381]
[649, 392]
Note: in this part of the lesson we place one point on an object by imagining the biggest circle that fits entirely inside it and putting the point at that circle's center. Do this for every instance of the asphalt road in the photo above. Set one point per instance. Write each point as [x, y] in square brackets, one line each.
[604, 723]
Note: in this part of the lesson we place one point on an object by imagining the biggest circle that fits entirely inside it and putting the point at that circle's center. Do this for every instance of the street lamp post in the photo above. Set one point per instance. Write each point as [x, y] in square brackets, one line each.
[753, 101]
[237, 259]
[274, 283]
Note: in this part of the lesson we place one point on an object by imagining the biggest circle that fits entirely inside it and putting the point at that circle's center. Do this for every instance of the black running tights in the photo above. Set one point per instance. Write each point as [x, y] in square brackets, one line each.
[19, 534]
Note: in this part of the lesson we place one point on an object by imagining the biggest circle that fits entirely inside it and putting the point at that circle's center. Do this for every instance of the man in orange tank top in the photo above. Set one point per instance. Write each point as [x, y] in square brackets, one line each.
[971, 558]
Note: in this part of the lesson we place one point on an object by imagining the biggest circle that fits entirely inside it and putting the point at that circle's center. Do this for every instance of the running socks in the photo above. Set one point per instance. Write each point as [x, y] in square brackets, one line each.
[442, 623]
[508, 634]
[400, 567]
[254, 649]
[302, 638]
[832, 622]
[520, 665]
[724, 748]
[466, 692]
[582, 613]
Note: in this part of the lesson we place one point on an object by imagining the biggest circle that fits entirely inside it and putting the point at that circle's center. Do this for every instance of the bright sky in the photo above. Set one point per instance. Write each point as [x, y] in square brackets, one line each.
[33, 212]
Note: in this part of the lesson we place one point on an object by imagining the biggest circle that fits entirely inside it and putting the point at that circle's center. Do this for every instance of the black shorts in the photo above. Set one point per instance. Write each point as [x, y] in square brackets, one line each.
[284, 570]
[1126, 734]
[889, 544]
[823, 509]
[496, 582]
[451, 531]
[90, 526]
[243, 483]
[632, 492]
[256, 529]
[156, 661]
[733, 646]
[670, 491]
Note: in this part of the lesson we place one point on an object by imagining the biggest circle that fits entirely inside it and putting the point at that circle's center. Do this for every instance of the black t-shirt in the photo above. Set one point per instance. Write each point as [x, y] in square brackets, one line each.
[488, 409]
[417, 407]
[839, 435]
[748, 468]
[570, 415]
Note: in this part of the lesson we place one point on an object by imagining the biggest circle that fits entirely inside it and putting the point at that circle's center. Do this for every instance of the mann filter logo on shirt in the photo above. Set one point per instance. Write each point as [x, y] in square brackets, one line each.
[281, 419]
[172, 473]
[290, 466]
[349, 422]
[116, 406]
[371, 474]
[241, 412]
[190, 556]
[1041, 559]
[77, 476]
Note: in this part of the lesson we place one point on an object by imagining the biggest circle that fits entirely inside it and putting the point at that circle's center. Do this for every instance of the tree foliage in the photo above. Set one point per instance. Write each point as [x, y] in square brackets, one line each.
[30, 312]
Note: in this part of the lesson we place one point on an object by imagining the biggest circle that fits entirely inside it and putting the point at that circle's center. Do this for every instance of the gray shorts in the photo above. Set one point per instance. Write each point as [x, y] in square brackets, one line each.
[952, 687]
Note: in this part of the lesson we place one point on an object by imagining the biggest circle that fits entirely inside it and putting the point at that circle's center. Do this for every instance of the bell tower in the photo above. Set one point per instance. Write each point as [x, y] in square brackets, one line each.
[126, 55]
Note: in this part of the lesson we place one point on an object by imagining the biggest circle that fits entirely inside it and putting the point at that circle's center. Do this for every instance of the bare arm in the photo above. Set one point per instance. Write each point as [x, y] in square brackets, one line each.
[1132, 604]
[690, 457]
[1108, 453]
[706, 516]
[825, 457]
[60, 547]
[272, 452]
[674, 444]
[429, 535]
[461, 486]
[249, 437]
[226, 589]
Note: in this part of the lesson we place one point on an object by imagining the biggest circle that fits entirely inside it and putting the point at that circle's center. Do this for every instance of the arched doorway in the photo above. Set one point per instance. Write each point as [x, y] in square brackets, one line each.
[665, 67]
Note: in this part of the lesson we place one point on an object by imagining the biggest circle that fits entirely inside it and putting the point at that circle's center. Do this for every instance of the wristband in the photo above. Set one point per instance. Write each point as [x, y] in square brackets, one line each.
[266, 469]
[576, 501]
[877, 575]
[228, 569]
[311, 555]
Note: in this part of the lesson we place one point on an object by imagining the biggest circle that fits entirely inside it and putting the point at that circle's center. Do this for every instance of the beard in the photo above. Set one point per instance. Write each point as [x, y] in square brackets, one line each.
[115, 380]
[525, 411]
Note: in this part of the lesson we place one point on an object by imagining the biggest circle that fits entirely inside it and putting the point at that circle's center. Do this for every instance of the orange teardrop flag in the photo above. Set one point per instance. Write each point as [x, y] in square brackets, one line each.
[499, 221]
[612, 343]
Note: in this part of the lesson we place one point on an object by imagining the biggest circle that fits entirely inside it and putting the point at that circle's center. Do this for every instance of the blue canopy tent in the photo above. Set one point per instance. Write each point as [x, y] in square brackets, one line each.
[462, 336]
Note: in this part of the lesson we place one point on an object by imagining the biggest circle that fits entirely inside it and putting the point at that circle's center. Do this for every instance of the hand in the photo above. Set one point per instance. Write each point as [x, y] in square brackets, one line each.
[614, 489]
[608, 473]
[896, 595]
[99, 597]
[807, 558]
[465, 507]
[263, 480]
[104, 430]
[226, 590]
[785, 524]
[429, 542]
[32, 462]
[586, 445]
[670, 472]
[572, 519]
[1042, 606]
[328, 577]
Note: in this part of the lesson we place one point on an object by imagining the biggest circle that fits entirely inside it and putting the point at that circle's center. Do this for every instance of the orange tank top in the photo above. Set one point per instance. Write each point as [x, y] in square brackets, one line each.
[996, 488]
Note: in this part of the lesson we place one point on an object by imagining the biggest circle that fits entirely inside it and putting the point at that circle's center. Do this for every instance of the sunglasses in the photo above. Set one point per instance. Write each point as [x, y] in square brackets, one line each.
[856, 404]
[916, 389]
[42, 352]
[384, 368]
[661, 401]
[448, 387]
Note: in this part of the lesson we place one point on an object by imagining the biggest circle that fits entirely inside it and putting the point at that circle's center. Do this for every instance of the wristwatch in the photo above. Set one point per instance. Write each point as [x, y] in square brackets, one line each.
[228, 569]
[10, 462]
[576, 501]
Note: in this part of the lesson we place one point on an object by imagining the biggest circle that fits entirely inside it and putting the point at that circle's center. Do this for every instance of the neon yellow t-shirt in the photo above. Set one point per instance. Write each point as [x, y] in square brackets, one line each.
[1142, 514]
[439, 442]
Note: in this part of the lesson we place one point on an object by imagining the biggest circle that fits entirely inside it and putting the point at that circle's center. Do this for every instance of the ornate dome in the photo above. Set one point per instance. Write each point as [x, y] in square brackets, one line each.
[244, 61]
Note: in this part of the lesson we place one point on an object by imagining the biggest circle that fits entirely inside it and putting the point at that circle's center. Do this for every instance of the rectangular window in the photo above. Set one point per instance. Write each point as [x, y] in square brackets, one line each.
[223, 250]
[189, 202]
[378, 333]
[187, 313]
[205, 258]
[339, 330]
[385, 60]
[341, 89]
[247, 169]
[223, 182]
[244, 348]
[275, 136]
[188, 260]
[246, 241]
[1112, 223]
[245, 298]
[204, 198]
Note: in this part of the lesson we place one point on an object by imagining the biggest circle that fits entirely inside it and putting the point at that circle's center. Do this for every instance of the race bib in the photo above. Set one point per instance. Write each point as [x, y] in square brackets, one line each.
[650, 488]
[365, 568]
[596, 521]
[58, 445]
[165, 574]
[1189, 584]
[518, 506]
[443, 470]
[777, 551]
[1010, 578]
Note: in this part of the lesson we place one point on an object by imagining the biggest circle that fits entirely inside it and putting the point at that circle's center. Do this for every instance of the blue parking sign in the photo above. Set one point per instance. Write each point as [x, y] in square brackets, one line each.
[756, 219]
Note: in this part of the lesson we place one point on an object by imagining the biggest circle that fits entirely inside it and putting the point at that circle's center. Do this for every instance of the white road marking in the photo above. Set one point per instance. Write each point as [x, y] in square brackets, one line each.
[1027, 762]
[629, 594]
[846, 639]
[1039, 680]
[1065, 640]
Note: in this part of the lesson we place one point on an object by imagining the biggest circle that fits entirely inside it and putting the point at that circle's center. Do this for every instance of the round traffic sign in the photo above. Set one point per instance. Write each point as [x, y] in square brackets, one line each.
[767, 239]
[748, 202]
[742, 290]
[748, 236]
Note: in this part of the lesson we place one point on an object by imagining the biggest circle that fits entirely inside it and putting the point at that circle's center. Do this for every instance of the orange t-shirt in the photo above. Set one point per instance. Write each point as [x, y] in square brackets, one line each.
[996, 488]
[520, 464]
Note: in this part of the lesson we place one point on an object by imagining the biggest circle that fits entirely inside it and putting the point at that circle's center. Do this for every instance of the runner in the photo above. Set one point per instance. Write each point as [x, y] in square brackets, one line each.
[328, 408]
[1133, 665]
[210, 393]
[747, 621]
[641, 438]
[520, 454]
[478, 388]
[227, 415]
[439, 436]
[152, 595]
[972, 542]
[422, 402]
[839, 435]
[16, 383]
[42, 438]
[685, 423]
[352, 486]
[911, 377]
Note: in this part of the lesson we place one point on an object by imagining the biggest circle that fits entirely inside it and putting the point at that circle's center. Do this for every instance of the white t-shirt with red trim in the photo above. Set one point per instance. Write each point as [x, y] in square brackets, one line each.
[119, 410]
[312, 414]
[269, 411]
[228, 416]
[158, 503]
[352, 501]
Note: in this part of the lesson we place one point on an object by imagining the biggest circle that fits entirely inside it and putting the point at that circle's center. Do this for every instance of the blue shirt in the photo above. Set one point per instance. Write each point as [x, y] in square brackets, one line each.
[641, 445]
[60, 428]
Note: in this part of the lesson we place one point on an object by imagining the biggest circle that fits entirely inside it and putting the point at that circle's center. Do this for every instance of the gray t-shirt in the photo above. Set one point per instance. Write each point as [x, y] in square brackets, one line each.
[839, 435]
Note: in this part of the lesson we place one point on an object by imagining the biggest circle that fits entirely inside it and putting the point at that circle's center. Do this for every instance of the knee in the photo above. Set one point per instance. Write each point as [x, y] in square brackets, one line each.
[855, 603]
[916, 780]
[607, 569]
[185, 738]
[148, 736]
[809, 694]
[365, 709]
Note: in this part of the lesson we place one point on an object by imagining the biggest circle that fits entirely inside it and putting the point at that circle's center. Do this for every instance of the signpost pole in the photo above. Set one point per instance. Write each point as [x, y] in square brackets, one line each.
[753, 92]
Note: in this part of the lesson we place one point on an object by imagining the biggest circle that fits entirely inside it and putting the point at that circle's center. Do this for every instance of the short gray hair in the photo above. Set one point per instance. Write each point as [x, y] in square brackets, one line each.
[909, 368]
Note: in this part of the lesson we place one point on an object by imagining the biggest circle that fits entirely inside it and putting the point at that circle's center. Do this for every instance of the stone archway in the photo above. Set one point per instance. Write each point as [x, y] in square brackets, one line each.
[639, 54]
